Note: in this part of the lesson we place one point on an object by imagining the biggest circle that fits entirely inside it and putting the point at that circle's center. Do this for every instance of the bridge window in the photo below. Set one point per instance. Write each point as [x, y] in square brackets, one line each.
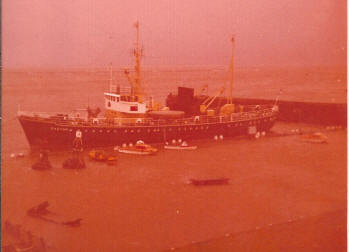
[133, 108]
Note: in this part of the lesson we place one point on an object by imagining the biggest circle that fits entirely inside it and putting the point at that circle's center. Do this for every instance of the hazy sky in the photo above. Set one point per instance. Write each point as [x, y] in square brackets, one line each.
[49, 33]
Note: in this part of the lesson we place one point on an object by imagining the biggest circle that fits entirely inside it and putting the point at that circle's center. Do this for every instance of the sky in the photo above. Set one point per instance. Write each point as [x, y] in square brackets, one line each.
[90, 33]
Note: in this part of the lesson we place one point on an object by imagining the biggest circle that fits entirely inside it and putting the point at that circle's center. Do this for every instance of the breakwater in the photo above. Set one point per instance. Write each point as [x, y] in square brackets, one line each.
[290, 111]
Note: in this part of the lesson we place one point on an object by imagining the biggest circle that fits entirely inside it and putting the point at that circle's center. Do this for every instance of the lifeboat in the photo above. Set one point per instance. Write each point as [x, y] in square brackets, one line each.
[140, 148]
[316, 137]
[102, 156]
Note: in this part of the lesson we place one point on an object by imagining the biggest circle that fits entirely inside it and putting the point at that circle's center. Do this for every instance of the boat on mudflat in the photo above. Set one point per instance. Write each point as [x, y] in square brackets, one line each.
[131, 116]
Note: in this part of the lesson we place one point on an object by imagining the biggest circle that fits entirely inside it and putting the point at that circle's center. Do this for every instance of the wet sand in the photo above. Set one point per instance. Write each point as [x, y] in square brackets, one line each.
[294, 192]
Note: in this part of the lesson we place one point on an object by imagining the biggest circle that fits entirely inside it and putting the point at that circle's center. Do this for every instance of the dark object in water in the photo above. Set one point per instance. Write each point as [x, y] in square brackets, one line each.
[74, 163]
[203, 182]
[15, 238]
[43, 163]
[74, 223]
[39, 210]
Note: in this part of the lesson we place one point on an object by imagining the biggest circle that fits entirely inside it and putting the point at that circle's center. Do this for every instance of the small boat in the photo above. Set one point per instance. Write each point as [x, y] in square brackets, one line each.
[43, 163]
[74, 223]
[203, 182]
[41, 212]
[140, 148]
[99, 155]
[183, 146]
[316, 137]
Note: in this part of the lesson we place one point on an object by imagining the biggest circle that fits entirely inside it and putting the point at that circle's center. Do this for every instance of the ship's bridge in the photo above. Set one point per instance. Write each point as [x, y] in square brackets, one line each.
[124, 103]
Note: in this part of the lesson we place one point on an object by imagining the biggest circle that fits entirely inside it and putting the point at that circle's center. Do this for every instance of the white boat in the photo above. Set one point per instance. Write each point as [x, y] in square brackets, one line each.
[183, 146]
[316, 137]
[139, 149]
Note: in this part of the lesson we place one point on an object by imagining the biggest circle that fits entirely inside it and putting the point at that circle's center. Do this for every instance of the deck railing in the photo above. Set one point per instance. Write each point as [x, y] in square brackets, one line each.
[65, 119]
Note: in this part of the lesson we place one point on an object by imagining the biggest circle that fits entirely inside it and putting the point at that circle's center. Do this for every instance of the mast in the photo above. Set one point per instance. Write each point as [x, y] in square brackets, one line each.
[230, 101]
[111, 88]
[138, 53]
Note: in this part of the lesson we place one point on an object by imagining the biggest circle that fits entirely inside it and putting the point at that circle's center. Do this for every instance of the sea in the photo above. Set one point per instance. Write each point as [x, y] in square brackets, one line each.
[146, 203]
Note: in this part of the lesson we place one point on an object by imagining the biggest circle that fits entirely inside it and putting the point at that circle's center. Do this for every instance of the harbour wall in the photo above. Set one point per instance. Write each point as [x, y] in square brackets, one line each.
[290, 111]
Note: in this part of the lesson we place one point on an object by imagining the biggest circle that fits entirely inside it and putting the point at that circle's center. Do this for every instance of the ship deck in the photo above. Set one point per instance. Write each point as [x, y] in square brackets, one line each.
[63, 119]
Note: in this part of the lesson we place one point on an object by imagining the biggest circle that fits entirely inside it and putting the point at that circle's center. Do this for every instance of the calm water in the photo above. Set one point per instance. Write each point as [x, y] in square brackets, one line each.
[145, 203]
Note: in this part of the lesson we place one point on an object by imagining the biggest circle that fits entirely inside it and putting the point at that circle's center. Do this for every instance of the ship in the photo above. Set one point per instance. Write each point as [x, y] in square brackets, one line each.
[129, 117]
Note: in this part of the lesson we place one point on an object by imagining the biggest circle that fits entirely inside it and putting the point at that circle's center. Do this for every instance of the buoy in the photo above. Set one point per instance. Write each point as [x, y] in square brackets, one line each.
[263, 133]
[221, 137]
[179, 140]
[78, 134]
[12, 155]
[257, 135]
[173, 141]
[215, 137]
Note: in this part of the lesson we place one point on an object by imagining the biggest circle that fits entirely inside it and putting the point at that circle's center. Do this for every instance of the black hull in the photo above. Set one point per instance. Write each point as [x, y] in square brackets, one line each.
[43, 133]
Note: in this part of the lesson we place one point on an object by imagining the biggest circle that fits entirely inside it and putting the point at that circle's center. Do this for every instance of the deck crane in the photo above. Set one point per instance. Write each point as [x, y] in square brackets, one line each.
[207, 102]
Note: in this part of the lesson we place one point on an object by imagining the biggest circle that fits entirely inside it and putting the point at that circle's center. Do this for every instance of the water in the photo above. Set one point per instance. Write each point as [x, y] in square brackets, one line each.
[146, 203]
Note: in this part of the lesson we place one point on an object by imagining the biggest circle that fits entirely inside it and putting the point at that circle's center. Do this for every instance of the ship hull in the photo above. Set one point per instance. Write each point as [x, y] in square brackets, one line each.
[41, 133]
